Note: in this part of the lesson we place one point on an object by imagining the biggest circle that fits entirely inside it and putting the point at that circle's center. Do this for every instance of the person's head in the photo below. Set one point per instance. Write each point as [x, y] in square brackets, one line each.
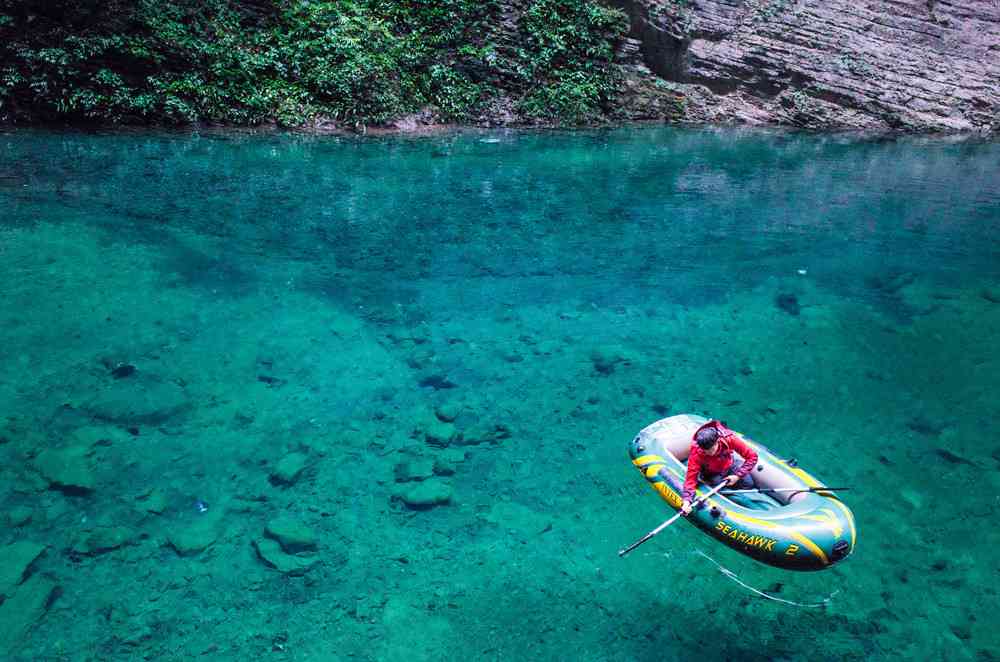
[706, 438]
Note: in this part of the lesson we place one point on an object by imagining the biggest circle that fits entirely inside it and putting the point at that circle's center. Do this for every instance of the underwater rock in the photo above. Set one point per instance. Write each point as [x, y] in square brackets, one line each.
[605, 361]
[447, 462]
[153, 501]
[25, 608]
[292, 535]
[135, 401]
[660, 408]
[948, 456]
[289, 468]
[122, 371]
[401, 442]
[777, 406]
[411, 470]
[437, 382]
[420, 358]
[548, 348]
[270, 552]
[271, 382]
[67, 469]
[99, 435]
[929, 427]
[194, 539]
[15, 559]
[890, 283]
[101, 540]
[482, 433]
[448, 411]
[788, 303]
[913, 498]
[18, 516]
[963, 632]
[438, 433]
[427, 494]
[511, 356]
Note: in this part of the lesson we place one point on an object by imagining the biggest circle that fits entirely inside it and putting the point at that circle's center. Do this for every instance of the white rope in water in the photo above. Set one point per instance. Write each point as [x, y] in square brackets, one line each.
[729, 573]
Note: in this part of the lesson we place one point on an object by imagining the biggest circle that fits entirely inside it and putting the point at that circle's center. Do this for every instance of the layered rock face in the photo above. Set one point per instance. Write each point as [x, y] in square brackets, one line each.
[926, 65]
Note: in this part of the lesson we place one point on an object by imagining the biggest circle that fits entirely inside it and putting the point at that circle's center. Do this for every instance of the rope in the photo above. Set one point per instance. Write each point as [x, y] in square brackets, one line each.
[730, 574]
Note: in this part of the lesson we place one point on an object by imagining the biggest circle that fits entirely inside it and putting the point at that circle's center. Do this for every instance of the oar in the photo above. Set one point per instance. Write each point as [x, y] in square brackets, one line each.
[623, 552]
[788, 489]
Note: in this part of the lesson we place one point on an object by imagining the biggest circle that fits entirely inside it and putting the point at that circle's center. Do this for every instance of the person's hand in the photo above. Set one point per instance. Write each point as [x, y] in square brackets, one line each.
[686, 508]
[731, 479]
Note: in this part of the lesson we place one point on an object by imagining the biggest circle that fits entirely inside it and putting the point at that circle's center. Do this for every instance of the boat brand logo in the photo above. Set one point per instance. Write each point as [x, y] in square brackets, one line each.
[741, 536]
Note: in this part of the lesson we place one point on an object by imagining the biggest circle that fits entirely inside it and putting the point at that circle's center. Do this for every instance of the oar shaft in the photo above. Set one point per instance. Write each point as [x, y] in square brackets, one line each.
[788, 489]
[714, 490]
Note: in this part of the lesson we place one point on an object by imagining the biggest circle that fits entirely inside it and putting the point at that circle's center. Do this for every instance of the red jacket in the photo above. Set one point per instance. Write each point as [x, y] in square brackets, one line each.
[718, 464]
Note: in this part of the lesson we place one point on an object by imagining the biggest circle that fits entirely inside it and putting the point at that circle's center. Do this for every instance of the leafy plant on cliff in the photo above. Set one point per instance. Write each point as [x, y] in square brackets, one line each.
[571, 46]
[291, 61]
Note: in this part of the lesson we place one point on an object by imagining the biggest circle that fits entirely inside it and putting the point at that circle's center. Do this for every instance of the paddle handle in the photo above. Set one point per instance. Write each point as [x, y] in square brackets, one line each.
[714, 490]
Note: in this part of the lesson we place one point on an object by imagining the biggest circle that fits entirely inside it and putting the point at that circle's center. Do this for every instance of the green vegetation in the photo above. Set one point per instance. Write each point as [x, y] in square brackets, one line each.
[356, 62]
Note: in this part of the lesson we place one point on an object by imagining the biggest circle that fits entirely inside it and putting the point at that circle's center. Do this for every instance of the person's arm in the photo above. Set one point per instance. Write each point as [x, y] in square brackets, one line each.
[748, 454]
[691, 478]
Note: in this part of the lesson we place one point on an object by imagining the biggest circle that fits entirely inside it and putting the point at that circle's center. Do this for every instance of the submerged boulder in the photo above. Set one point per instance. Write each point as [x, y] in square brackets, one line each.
[438, 433]
[414, 469]
[196, 537]
[101, 540]
[448, 411]
[271, 553]
[152, 501]
[19, 516]
[15, 559]
[100, 435]
[28, 605]
[132, 401]
[483, 432]
[427, 494]
[289, 468]
[67, 469]
[292, 535]
[446, 463]
[789, 303]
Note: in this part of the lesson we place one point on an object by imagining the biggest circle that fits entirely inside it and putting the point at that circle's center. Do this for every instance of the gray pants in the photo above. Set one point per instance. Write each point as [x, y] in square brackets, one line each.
[745, 483]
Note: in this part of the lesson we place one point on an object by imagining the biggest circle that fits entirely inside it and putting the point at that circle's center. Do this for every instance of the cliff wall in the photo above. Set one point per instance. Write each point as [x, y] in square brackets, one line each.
[918, 65]
[925, 65]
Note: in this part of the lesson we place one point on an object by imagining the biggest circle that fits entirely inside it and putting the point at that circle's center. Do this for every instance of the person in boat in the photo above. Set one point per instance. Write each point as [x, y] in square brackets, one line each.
[712, 460]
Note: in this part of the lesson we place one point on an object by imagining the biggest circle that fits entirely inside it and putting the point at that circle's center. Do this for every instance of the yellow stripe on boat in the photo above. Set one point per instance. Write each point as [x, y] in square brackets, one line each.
[812, 482]
[806, 542]
[646, 459]
[653, 469]
[668, 494]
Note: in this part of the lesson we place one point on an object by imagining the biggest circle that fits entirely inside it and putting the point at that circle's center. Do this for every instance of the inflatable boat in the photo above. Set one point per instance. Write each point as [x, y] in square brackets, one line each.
[788, 523]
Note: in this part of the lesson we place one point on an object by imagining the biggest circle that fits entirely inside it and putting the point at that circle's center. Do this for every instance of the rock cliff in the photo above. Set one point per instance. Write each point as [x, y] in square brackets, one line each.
[922, 65]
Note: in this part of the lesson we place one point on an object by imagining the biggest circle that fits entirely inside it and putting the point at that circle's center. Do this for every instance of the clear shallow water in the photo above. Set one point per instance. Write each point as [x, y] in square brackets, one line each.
[552, 293]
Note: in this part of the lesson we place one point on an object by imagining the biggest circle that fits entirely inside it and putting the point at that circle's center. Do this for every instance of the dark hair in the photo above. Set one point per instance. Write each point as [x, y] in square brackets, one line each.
[706, 438]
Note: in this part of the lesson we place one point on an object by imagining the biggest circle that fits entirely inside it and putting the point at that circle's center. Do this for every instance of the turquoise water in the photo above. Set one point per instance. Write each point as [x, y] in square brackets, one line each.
[338, 399]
